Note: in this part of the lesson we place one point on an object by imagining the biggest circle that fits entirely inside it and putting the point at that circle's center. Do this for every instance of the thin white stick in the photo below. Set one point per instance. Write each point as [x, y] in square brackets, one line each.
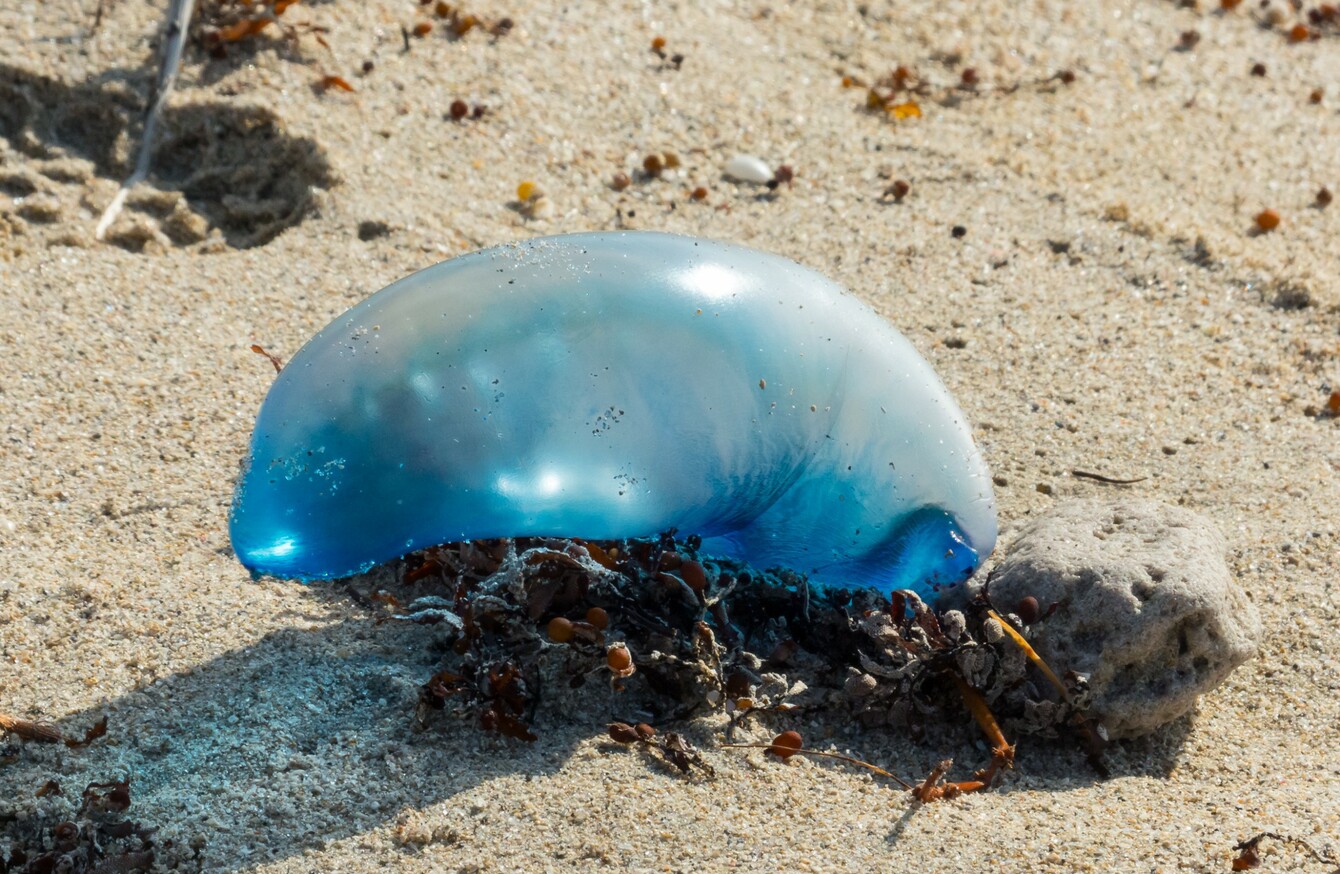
[174, 41]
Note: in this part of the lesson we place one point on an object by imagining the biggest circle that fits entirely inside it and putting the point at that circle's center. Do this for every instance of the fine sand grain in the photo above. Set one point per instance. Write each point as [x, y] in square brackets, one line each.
[1110, 307]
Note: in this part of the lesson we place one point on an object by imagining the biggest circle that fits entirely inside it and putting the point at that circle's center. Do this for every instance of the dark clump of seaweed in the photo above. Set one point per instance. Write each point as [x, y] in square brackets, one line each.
[672, 632]
[90, 837]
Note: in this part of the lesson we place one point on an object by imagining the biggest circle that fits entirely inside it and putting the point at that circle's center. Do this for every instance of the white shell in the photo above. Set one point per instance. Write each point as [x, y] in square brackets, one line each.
[747, 168]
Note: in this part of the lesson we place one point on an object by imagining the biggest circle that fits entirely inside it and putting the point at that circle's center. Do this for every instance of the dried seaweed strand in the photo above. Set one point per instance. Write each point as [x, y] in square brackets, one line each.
[839, 756]
[1099, 478]
[985, 719]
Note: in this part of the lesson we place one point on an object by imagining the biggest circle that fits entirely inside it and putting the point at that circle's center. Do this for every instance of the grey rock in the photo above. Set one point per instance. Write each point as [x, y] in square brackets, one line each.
[1145, 605]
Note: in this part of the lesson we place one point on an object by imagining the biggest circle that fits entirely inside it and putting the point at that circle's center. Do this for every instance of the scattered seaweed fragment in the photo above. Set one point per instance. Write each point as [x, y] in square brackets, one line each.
[459, 22]
[92, 733]
[671, 747]
[1249, 855]
[222, 23]
[274, 359]
[669, 60]
[329, 82]
[900, 94]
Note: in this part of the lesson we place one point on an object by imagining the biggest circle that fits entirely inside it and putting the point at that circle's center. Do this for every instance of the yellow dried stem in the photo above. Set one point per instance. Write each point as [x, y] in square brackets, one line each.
[1032, 654]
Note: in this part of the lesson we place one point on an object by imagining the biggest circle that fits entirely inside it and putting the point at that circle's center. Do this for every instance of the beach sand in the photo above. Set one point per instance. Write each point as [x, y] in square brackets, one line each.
[1110, 307]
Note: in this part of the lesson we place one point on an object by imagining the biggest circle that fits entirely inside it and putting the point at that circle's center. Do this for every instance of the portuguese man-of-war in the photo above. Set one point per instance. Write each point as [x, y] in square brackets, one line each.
[614, 385]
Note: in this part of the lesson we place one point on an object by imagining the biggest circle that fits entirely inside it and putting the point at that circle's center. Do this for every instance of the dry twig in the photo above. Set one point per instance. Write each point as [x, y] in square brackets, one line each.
[44, 732]
[1100, 478]
[174, 40]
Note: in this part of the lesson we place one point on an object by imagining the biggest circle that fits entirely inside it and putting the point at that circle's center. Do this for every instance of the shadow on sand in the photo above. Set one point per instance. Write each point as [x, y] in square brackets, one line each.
[289, 743]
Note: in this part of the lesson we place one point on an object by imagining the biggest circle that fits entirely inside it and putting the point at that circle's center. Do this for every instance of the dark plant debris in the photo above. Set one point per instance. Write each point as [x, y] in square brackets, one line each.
[1249, 855]
[671, 60]
[657, 628]
[95, 731]
[671, 747]
[111, 797]
[784, 175]
[91, 838]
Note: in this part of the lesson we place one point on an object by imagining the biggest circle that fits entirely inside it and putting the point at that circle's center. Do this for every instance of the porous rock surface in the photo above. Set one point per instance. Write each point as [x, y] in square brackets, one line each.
[1145, 605]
